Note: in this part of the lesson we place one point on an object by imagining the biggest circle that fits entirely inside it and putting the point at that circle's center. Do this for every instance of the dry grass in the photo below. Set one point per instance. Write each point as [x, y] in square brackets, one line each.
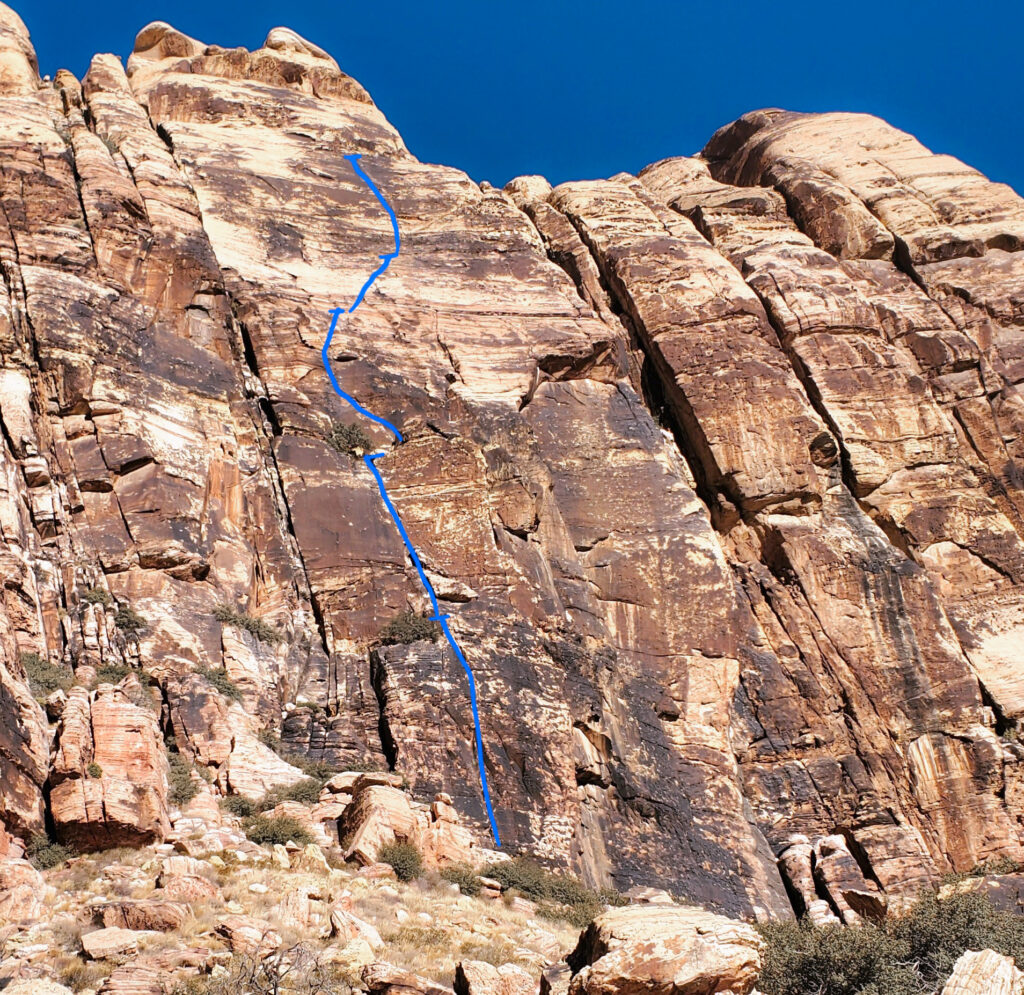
[439, 926]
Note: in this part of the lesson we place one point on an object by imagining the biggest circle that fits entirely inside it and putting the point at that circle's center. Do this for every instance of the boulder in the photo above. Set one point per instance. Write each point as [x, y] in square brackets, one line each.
[22, 892]
[188, 888]
[36, 986]
[346, 927]
[665, 950]
[248, 935]
[390, 980]
[984, 972]
[476, 977]
[110, 941]
[161, 916]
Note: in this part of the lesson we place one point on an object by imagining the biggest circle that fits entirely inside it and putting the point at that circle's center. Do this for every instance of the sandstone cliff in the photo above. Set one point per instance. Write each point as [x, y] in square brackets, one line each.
[717, 471]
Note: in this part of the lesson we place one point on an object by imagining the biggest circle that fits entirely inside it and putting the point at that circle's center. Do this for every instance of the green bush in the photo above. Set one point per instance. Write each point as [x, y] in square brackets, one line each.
[911, 953]
[45, 852]
[936, 932]
[238, 805]
[130, 622]
[263, 631]
[348, 438]
[558, 896]
[44, 677]
[217, 677]
[112, 673]
[179, 779]
[408, 628]
[405, 858]
[464, 876]
[94, 770]
[306, 791]
[97, 596]
[281, 829]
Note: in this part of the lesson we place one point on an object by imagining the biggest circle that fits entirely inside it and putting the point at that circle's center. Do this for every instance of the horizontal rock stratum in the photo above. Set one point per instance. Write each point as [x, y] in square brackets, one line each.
[718, 471]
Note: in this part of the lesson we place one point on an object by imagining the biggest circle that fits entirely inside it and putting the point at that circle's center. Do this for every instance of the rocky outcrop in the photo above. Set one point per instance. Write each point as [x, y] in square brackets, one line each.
[108, 781]
[380, 813]
[716, 472]
[664, 949]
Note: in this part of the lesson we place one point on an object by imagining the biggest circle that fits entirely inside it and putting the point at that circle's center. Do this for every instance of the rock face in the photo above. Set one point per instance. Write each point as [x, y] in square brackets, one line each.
[108, 782]
[716, 471]
[666, 950]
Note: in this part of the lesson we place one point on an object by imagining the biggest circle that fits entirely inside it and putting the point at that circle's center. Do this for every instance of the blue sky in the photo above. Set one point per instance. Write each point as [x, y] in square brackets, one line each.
[587, 88]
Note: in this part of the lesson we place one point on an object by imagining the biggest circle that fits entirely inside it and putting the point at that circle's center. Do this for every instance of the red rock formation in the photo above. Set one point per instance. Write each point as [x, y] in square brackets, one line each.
[716, 470]
[108, 781]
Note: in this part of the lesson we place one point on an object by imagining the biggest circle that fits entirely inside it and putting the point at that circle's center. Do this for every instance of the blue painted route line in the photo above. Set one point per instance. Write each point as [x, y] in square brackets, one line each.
[392, 510]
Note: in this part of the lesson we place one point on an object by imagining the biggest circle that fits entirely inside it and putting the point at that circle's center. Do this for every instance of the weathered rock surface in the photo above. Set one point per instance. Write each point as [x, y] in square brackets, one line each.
[665, 949]
[984, 972]
[108, 780]
[476, 977]
[716, 471]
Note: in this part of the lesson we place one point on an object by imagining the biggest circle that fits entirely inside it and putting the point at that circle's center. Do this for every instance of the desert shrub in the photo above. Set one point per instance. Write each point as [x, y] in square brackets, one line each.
[97, 596]
[801, 959]
[44, 677]
[464, 876]
[281, 829]
[130, 622]
[79, 975]
[306, 791]
[558, 896]
[269, 738]
[179, 778]
[348, 438]
[217, 678]
[937, 931]
[405, 858]
[906, 954]
[94, 770]
[408, 628]
[263, 631]
[238, 805]
[45, 853]
[112, 673]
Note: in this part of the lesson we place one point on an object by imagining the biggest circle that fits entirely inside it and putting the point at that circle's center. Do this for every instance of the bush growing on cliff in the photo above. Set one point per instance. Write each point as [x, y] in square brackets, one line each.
[405, 858]
[179, 779]
[44, 677]
[217, 678]
[45, 853]
[97, 596]
[263, 631]
[558, 896]
[408, 628]
[907, 954]
[130, 622]
[349, 439]
[112, 673]
[238, 805]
